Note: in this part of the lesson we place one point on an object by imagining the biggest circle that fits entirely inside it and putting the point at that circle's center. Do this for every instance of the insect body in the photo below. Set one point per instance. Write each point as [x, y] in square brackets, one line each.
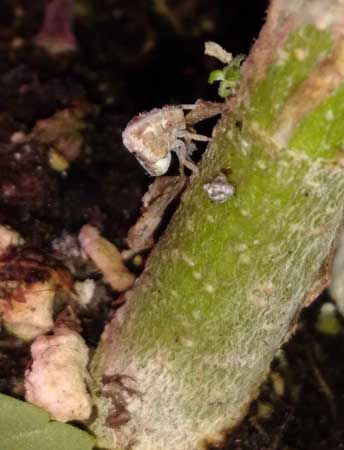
[219, 189]
[153, 135]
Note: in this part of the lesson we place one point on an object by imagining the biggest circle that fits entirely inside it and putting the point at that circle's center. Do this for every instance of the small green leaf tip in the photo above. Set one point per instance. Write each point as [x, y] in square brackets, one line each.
[228, 77]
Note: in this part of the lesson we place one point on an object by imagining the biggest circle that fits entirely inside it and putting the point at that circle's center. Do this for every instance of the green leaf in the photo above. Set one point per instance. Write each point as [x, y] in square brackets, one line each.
[216, 75]
[228, 77]
[26, 427]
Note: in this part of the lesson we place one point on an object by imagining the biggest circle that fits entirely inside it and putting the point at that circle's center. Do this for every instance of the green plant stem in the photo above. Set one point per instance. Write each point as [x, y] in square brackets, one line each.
[224, 285]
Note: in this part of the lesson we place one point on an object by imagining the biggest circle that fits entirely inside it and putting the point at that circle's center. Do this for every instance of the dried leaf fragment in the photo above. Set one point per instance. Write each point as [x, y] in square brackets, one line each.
[27, 292]
[203, 110]
[62, 132]
[107, 258]
[56, 35]
[29, 312]
[159, 196]
[215, 50]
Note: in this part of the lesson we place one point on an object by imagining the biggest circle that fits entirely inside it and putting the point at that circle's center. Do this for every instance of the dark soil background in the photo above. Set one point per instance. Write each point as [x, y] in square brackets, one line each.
[131, 56]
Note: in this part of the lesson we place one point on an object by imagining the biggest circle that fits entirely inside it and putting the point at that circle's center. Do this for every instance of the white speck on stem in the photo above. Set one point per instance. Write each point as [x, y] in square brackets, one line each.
[329, 115]
[186, 342]
[196, 315]
[261, 165]
[229, 134]
[190, 225]
[188, 260]
[244, 259]
[209, 288]
[244, 212]
[197, 275]
[283, 57]
[241, 247]
[300, 54]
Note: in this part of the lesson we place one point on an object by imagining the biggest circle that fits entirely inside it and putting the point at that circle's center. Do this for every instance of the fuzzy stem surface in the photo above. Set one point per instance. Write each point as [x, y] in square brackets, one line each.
[221, 290]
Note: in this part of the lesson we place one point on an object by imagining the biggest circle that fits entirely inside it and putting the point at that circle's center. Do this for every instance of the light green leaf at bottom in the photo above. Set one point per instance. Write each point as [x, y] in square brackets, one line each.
[26, 427]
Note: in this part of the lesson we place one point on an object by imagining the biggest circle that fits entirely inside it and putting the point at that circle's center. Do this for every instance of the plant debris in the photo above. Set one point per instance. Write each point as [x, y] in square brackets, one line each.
[107, 258]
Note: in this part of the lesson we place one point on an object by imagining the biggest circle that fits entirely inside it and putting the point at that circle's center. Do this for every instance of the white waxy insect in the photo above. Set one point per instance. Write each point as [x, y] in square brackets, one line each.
[219, 189]
[153, 135]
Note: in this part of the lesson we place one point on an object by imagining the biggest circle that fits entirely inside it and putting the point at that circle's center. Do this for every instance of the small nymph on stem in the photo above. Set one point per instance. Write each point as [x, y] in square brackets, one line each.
[153, 135]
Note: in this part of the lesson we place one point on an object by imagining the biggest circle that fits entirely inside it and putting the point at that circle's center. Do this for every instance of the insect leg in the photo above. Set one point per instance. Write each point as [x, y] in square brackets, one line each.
[197, 137]
[182, 153]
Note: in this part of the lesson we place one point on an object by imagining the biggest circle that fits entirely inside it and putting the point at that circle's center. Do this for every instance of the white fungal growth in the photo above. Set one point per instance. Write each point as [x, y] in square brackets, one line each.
[56, 378]
[85, 290]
